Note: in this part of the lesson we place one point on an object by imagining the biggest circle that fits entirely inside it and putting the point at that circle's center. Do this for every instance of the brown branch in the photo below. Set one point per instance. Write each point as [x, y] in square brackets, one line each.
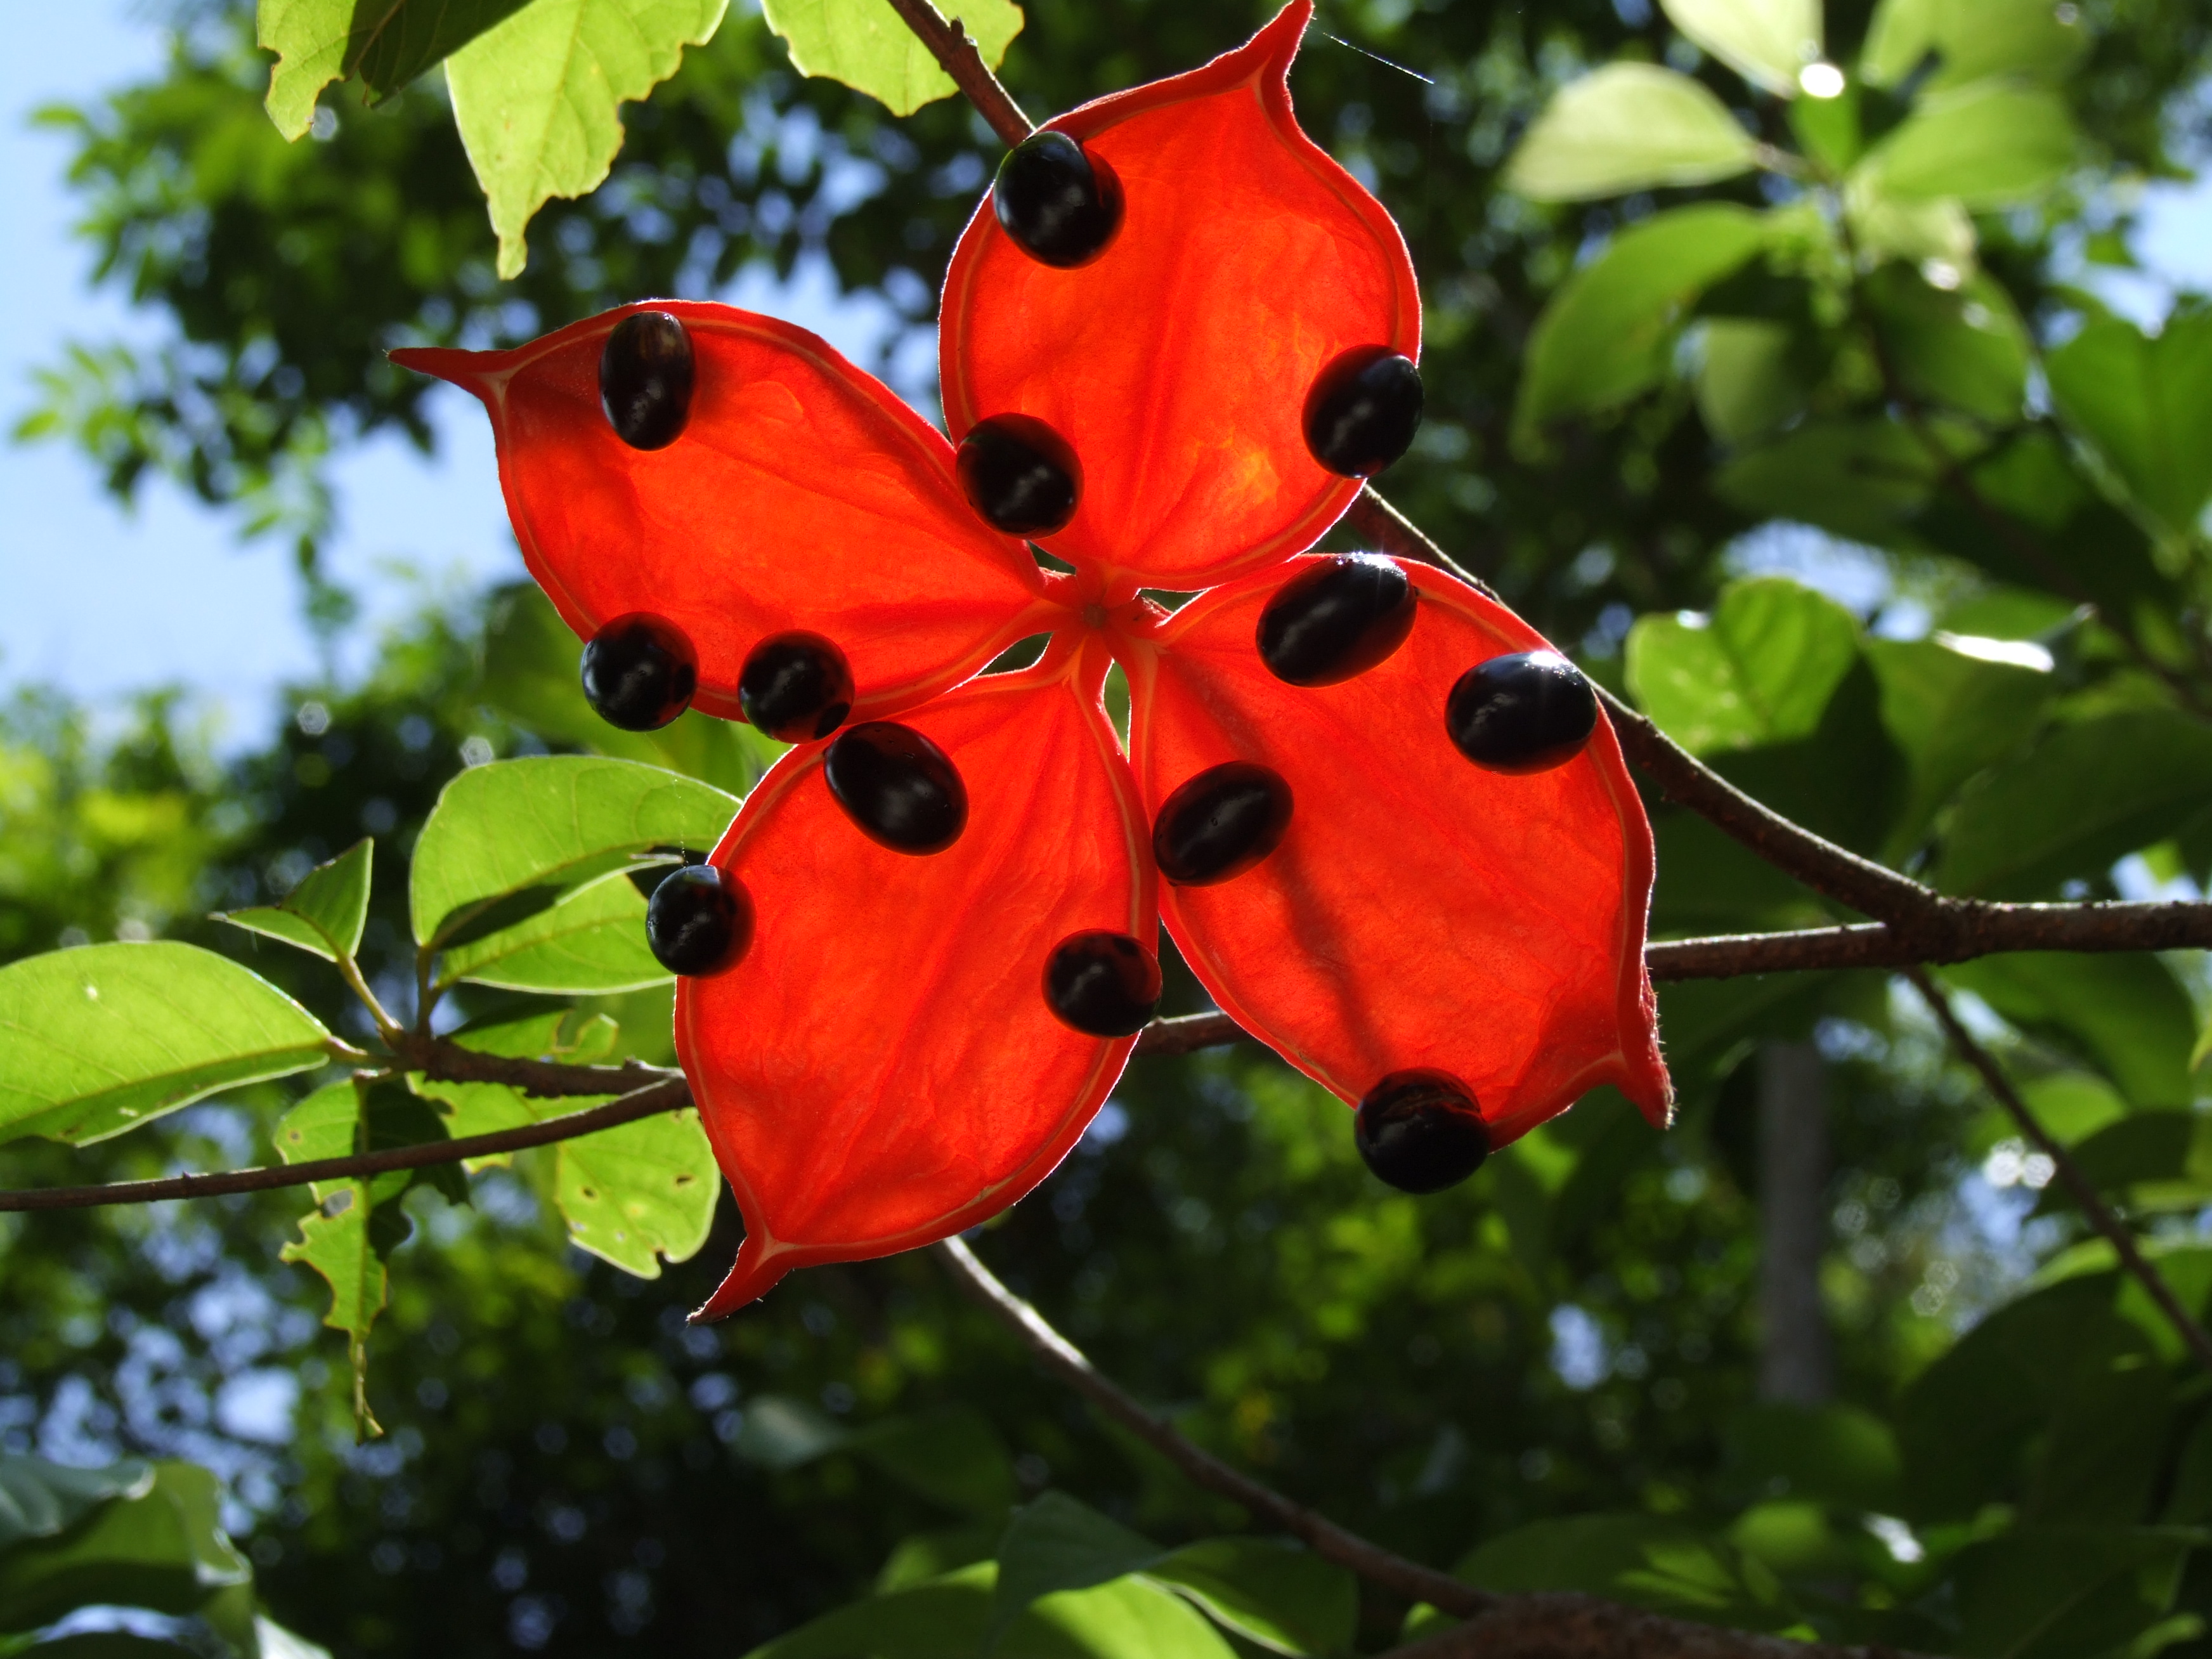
[956, 53]
[1971, 929]
[444, 1060]
[1324, 1536]
[1499, 1627]
[2101, 1215]
[1394, 533]
[668, 1096]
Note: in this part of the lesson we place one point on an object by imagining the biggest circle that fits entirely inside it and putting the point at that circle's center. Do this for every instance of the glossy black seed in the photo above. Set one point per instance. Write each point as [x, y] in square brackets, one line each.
[1363, 411]
[1220, 823]
[640, 671]
[645, 373]
[796, 687]
[1060, 203]
[1336, 618]
[1102, 984]
[1019, 475]
[898, 787]
[698, 920]
[1420, 1131]
[1527, 712]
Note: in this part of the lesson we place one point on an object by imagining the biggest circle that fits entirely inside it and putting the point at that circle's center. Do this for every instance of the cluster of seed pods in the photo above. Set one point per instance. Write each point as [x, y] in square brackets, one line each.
[1386, 822]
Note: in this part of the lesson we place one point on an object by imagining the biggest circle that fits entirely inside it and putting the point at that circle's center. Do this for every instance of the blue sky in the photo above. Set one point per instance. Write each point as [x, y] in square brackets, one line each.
[103, 602]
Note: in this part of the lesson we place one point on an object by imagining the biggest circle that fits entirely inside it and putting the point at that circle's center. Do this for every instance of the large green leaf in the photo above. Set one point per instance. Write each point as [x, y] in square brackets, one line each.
[159, 1546]
[1766, 41]
[538, 97]
[38, 1498]
[1607, 334]
[2146, 404]
[1628, 126]
[1056, 1543]
[640, 1192]
[2057, 1592]
[1954, 707]
[1752, 377]
[1989, 145]
[1272, 1592]
[865, 44]
[326, 913]
[1759, 670]
[1972, 39]
[1832, 1454]
[1919, 230]
[1641, 1559]
[951, 1455]
[2127, 1013]
[1965, 347]
[386, 42]
[1862, 479]
[2088, 794]
[544, 825]
[102, 1039]
[590, 940]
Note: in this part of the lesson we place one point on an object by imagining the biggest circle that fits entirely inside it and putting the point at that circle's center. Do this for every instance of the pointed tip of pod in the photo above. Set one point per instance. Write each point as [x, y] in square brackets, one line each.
[476, 372]
[759, 1268]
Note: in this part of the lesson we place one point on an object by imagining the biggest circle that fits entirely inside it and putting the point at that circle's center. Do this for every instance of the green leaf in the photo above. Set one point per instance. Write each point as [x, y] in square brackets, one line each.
[554, 821]
[865, 44]
[1860, 479]
[1274, 1593]
[2087, 794]
[1056, 1543]
[780, 1433]
[326, 913]
[1766, 41]
[334, 1242]
[1955, 707]
[1607, 334]
[2146, 404]
[1628, 126]
[104, 1038]
[538, 97]
[531, 677]
[591, 940]
[1919, 230]
[1974, 40]
[2127, 1013]
[386, 42]
[1966, 347]
[38, 1498]
[158, 1548]
[1832, 1454]
[1990, 145]
[1759, 670]
[1640, 1559]
[953, 1456]
[1750, 378]
[640, 1192]
[941, 1618]
[2058, 1591]
[1128, 1619]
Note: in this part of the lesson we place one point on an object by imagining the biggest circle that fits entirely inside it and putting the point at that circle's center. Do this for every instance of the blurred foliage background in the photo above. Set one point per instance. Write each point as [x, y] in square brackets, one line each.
[1984, 1443]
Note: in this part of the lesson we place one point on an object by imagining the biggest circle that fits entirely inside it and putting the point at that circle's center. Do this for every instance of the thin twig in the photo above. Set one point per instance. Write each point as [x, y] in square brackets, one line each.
[2084, 1190]
[957, 54]
[1558, 1626]
[1969, 929]
[1324, 1536]
[1394, 533]
[666, 1096]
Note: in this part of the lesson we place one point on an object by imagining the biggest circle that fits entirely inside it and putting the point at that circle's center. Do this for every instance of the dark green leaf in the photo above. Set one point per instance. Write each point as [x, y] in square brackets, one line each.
[1640, 1559]
[2146, 403]
[1860, 479]
[162, 1550]
[2057, 1592]
[1753, 377]
[1832, 1454]
[952, 1456]
[38, 1498]
[1965, 347]
[2128, 1013]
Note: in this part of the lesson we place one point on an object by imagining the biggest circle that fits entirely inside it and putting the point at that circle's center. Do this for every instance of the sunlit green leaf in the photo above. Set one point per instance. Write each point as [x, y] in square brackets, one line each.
[159, 1548]
[1931, 230]
[1056, 1543]
[326, 913]
[1628, 126]
[104, 1038]
[1272, 1592]
[865, 44]
[1955, 707]
[1759, 670]
[1750, 380]
[2126, 1013]
[1989, 145]
[1766, 41]
[538, 97]
[591, 940]
[640, 1192]
[2146, 403]
[38, 1498]
[1964, 346]
[1972, 39]
[386, 42]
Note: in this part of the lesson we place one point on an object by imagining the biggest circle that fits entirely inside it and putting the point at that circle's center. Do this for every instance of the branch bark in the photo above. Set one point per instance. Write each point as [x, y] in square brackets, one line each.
[1565, 1626]
[2085, 1193]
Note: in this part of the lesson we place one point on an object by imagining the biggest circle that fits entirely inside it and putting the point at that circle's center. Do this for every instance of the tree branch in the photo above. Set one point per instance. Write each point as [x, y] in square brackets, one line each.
[1970, 928]
[957, 54]
[2085, 1192]
[1566, 1627]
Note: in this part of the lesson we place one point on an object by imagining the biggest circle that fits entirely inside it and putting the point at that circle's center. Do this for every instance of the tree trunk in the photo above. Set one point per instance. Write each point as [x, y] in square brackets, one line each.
[1795, 1361]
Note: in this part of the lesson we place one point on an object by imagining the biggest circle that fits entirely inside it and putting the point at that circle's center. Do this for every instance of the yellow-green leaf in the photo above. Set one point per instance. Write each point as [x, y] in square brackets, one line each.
[640, 1192]
[538, 97]
[1767, 42]
[1628, 126]
[326, 913]
[864, 44]
[334, 1242]
[386, 42]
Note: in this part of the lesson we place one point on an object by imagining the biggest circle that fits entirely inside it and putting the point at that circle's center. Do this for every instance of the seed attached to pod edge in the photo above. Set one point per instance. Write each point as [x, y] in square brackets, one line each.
[1526, 712]
[1059, 202]
[1420, 1131]
[1220, 823]
[1102, 984]
[639, 671]
[1364, 411]
[1337, 618]
[796, 687]
[699, 921]
[899, 789]
[647, 371]
[1020, 475]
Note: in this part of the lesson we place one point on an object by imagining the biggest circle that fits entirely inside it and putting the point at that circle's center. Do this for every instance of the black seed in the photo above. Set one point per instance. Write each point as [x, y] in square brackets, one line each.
[1335, 619]
[1102, 984]
[698, 922]
[1019, 475]
[1524, 713]
[898, 787]
[1060, 203]
[1363, 411]
[1420, 1131]
[640, 671]
[1220, 823]
[796, 687]
[645, 372]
